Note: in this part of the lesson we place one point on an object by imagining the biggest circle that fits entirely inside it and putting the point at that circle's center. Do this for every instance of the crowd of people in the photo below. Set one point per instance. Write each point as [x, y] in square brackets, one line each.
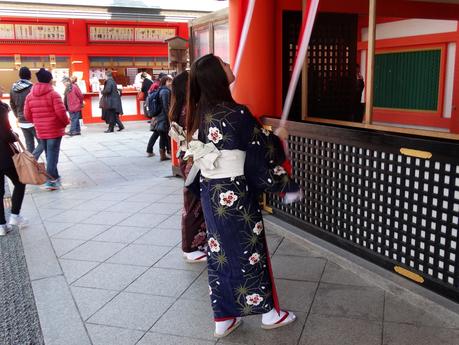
[226, 157]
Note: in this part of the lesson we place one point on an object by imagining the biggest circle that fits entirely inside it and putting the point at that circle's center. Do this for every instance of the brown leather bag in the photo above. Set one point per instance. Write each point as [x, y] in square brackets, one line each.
[28, 169]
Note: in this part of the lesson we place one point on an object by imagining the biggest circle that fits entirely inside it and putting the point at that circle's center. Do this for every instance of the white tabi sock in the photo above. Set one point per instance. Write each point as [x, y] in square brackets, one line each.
[194, 255]
[271, 317]
[222, 326]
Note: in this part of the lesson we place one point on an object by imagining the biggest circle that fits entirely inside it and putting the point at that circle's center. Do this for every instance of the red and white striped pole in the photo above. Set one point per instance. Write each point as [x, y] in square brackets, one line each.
[243, 38]
[304, 39]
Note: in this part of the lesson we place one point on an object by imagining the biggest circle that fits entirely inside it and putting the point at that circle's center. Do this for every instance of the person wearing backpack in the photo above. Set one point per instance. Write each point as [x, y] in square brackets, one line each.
[153, 103]
[151, 97]
[156, 82]
[18, 94]
[143, 93]
[159, 123]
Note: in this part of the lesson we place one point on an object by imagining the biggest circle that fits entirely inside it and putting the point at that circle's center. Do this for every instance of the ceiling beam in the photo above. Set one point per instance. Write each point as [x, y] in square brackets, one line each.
[8, 9]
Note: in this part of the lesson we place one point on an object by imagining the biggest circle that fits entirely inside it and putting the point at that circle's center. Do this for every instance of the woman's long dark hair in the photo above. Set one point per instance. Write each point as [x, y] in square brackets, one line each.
[208, 86]
[178, 98]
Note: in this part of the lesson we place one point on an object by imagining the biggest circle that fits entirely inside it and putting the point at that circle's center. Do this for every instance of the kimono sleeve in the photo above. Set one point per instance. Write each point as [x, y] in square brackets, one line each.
[264, 158]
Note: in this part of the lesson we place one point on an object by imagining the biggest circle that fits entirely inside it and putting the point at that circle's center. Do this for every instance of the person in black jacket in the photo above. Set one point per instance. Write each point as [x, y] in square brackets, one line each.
[7, 168]
[160, 123]
[111, 104]
[18, 94]
[146, 84]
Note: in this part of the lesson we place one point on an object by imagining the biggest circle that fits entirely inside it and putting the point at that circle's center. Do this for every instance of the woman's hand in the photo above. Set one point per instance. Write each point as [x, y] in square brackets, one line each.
[292, 197]
[282, 133]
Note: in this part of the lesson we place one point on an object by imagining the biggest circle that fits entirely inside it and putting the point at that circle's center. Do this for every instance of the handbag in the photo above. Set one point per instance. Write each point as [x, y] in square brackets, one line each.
[103, 103]
[153, 123]
[28, 169]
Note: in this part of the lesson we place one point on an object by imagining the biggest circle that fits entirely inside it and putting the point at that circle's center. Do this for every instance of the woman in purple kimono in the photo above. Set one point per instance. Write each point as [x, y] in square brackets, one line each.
[235, 159]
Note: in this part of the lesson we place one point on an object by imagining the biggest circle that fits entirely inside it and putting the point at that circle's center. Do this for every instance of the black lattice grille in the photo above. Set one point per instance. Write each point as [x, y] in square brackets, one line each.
[401, 208]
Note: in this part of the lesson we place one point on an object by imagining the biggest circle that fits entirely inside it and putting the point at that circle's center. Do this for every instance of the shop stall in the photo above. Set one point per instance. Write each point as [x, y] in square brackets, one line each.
[86, 49]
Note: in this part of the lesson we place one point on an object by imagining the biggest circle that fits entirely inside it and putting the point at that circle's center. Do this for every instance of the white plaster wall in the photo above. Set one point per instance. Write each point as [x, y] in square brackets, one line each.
[411, 27]
[449, 80]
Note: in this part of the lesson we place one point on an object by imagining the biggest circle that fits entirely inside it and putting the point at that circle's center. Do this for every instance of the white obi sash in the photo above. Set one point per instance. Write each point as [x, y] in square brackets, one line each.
[178, 134]
[214, 163]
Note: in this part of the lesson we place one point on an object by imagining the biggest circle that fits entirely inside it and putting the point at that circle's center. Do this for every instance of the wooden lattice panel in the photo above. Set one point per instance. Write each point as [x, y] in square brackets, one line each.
[368, 197]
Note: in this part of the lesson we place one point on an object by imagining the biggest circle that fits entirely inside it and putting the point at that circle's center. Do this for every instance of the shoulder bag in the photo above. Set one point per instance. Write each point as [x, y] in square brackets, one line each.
[27, 168]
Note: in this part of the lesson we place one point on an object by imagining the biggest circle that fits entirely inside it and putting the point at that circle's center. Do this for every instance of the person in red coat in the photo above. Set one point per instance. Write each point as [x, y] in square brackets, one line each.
[73, 101]
[45, 109]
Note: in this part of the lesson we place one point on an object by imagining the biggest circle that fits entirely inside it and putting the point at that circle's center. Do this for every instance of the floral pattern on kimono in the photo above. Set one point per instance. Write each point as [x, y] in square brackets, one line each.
[240, 279]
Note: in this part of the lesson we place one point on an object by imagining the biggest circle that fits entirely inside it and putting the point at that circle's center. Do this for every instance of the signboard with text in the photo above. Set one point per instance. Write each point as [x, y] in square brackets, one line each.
[33, 32]
[120, 34]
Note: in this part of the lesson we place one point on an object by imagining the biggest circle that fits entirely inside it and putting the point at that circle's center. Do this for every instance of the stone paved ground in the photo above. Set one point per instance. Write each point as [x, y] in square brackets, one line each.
[19, 321]
[105, 263]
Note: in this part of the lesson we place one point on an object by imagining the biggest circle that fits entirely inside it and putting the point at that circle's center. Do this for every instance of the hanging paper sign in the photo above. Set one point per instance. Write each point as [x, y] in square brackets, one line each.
[102, 33]
[33, 32]
[7, 31]
[154, 34]
[111, 34]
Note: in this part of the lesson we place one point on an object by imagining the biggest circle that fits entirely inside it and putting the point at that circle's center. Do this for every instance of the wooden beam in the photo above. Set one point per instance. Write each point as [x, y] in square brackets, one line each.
[395, 8]
[387, 128]
[411, 40]
[369, 87]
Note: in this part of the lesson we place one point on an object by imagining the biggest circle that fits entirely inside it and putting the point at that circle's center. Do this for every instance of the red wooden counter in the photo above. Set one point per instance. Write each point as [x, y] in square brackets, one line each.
[132, 108]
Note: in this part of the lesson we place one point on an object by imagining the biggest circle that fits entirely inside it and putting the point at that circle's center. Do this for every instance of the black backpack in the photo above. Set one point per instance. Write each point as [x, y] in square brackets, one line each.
[153, 104]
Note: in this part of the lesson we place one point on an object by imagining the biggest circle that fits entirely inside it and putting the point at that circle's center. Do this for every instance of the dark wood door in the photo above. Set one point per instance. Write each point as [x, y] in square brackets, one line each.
[291, 26]
[332, 82]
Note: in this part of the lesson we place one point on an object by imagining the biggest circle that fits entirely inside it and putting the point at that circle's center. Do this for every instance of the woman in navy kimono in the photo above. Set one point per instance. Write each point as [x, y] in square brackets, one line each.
[238, 159]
